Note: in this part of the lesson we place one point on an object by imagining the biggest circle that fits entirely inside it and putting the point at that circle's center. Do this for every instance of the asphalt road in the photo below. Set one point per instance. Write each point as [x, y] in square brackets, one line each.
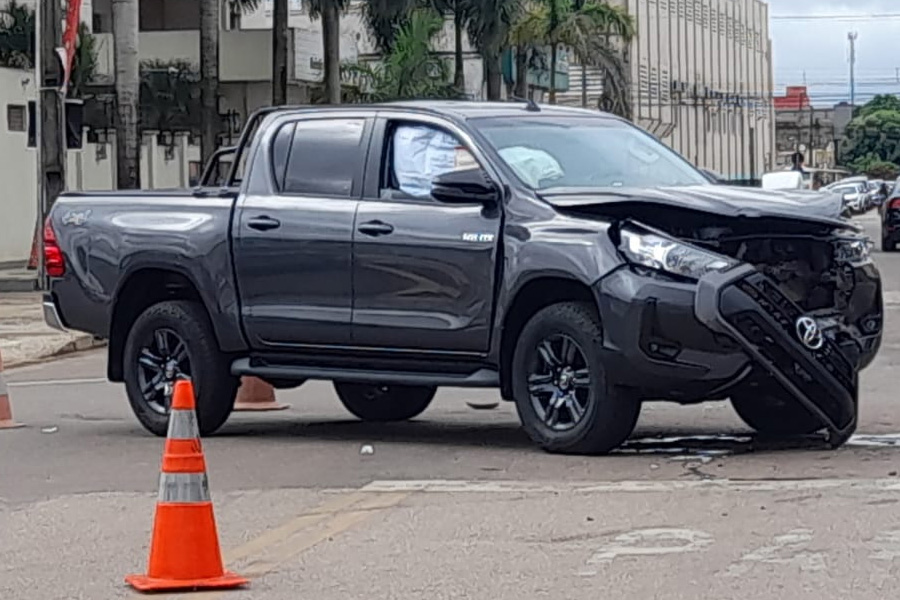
[458, 503]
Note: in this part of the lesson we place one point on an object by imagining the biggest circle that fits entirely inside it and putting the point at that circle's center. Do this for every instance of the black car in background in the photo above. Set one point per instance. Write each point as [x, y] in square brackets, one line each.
[890, 220]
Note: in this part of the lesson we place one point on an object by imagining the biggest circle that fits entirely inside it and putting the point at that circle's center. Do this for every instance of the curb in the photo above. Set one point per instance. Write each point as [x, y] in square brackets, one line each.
[12, 286]
[82, 343]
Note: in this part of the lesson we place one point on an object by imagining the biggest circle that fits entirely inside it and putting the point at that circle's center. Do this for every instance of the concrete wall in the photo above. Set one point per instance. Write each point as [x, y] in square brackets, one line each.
[243, 55]
[18, 171]
[91, 168]
[702, 80]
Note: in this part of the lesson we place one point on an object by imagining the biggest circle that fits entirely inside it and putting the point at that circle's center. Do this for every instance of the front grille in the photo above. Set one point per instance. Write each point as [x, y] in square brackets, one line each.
[785, 313]
[766, 319]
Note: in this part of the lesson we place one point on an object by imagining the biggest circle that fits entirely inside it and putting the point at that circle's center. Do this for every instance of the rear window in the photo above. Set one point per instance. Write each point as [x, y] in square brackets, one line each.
[325, 157]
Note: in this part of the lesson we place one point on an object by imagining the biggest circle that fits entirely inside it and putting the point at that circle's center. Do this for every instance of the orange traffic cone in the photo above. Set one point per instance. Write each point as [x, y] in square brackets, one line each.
[184, 550]
[255, 395]
[6, 417]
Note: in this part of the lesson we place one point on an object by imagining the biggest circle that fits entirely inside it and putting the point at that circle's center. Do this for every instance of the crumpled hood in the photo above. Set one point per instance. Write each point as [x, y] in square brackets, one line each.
[819, 207]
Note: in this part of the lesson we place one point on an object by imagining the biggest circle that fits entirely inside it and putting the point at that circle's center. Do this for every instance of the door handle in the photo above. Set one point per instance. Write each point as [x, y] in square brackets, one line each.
[376, 228]
[263, 223]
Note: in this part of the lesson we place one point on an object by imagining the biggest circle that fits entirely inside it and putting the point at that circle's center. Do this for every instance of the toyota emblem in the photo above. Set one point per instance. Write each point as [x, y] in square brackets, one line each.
[809, 334]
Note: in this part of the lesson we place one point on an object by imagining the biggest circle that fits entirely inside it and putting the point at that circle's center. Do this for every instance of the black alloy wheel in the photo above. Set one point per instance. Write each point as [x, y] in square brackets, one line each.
[163, 360]
[381, 402]
[559, 382]
[175, 340]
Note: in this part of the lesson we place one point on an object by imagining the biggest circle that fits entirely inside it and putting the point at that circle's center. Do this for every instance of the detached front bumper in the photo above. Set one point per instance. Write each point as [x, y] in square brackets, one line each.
[690, 342]
[750, 308]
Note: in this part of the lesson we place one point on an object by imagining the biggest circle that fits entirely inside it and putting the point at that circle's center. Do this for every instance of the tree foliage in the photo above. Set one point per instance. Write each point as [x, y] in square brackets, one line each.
[409, 69]
[583, 26]
[18, 27]
[17, 36]
[887, 171]
[873, 136]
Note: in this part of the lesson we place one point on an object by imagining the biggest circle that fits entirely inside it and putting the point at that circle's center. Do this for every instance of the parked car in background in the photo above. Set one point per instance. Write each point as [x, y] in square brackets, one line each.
[783, 180]
[854, 196]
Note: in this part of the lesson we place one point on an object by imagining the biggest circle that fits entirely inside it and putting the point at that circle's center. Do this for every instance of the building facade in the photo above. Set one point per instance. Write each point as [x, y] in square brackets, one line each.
[702, 81]
[815, 132]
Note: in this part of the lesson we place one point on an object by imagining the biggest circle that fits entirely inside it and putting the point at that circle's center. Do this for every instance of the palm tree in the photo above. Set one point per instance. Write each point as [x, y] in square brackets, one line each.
[489, 23]
[209, 77]
[385, 19]
[583, 26]
[330, 13]
[128, 86]
[210, 25]
[280, 14]
[410, 68]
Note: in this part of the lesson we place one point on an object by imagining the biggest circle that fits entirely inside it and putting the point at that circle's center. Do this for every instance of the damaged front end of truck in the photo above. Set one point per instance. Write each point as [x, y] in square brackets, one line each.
[775, 306]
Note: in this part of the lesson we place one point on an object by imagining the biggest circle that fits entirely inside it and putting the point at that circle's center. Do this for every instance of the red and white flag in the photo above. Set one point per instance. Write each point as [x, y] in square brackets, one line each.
[70, 40]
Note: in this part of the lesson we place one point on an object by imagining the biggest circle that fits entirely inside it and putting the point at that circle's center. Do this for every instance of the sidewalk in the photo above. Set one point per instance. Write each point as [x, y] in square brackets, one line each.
[25, 338]
[17, 279]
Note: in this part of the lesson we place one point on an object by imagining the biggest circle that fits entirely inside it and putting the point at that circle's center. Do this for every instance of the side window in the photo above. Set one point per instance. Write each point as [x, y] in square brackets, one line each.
[325, 157]
[415, 154]
[281, 149]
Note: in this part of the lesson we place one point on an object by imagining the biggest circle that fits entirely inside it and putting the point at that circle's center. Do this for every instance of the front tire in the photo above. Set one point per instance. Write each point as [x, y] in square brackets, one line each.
[169, 341]
[887, 244]
[560, 387]
[382, 402]
[770, 415]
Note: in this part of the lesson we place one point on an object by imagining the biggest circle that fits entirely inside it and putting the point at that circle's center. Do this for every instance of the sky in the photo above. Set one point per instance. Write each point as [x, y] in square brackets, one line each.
[820, 50]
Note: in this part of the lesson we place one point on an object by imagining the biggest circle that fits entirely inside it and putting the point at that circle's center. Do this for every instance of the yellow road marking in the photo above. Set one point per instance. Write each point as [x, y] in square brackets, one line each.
[301, 533]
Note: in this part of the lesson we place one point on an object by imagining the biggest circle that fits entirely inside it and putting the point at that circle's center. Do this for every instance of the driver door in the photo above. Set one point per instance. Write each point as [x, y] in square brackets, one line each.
[423, 271]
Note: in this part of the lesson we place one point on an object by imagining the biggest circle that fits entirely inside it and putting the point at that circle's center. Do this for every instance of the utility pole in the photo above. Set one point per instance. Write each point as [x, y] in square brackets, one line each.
[852, 36]
[50, 117]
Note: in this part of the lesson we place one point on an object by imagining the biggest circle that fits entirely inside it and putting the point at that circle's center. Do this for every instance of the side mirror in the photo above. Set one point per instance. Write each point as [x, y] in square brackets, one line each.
[468, 186]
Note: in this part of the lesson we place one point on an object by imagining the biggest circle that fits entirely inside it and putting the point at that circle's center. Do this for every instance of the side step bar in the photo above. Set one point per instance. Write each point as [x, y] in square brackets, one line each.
[482, 378]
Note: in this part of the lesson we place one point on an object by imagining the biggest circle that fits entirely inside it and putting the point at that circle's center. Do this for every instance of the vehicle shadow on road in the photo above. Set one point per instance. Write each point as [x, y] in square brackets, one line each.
[676, 442]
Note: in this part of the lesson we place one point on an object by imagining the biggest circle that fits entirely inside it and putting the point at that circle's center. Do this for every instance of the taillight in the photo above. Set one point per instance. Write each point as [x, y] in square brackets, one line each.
[895, 203]
[54, 263]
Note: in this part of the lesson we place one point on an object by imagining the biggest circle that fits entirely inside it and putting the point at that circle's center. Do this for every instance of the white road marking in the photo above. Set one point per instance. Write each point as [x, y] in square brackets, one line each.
[650, 542]
[440, 486]
[56, 382]
[884, 440]
[789, 548]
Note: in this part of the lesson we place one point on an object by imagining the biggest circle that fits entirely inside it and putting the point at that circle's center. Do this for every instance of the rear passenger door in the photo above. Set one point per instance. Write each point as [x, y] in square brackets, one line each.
[424, 271]
[293, 254]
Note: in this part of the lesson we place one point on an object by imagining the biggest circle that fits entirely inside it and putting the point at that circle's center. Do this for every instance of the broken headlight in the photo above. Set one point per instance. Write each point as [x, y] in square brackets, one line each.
[660, 252]
[852, 250]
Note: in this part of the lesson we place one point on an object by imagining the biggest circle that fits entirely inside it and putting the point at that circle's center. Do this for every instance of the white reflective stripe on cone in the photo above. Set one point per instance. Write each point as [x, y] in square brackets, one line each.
[4, 391]
[183, 425]
[183, 487]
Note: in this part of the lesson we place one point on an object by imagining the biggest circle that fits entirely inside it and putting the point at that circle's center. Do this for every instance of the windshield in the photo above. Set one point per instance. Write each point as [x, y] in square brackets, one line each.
[585, 152]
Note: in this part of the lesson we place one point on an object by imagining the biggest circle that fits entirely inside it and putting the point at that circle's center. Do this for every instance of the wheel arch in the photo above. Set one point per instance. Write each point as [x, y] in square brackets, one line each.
[141, 289]
[531, 297]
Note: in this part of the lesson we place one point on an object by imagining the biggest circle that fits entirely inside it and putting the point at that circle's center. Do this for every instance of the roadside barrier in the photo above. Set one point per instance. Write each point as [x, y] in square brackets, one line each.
[6, 416]
[184, 549]
[255, 395]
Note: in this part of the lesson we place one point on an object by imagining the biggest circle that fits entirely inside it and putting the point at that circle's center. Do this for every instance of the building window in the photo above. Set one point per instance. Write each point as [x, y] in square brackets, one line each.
[16, 118]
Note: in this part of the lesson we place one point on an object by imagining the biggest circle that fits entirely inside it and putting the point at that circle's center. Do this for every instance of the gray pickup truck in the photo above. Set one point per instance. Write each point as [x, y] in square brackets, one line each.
[563, 256]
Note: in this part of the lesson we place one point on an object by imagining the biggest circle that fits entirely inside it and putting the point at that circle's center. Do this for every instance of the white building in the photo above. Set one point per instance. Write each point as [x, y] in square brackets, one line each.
[702, 80]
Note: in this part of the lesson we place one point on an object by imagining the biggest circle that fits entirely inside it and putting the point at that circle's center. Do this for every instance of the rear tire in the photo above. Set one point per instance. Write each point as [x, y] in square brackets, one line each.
[186, 326]
[383, 402]
[771, 415]
[888, 245]
[560, 386]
